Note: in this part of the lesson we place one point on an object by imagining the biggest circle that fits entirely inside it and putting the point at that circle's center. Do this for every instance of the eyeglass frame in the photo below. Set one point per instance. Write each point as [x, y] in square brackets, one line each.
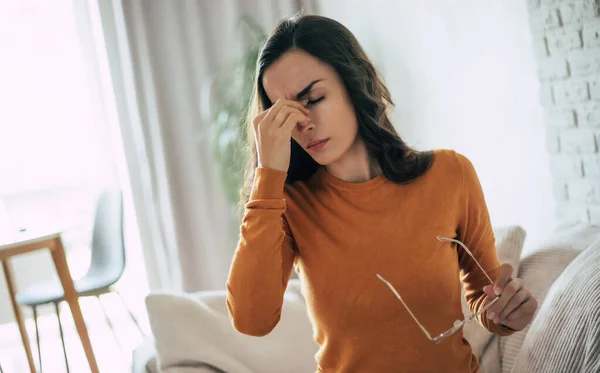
[457, 323]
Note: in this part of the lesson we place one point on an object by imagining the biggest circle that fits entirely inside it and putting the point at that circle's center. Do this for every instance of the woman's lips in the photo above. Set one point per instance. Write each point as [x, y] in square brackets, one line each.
[318, 146]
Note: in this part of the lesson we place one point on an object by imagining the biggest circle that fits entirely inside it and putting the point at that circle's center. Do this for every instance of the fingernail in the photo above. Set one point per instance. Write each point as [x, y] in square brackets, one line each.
[497, 290]
[491, 316]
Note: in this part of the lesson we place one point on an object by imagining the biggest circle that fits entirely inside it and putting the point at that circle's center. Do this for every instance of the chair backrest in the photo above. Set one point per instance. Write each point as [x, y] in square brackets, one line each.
[108, 247]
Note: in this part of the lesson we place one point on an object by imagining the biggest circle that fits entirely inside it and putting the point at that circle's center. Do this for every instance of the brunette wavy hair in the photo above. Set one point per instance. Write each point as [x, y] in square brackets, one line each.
[332, 43]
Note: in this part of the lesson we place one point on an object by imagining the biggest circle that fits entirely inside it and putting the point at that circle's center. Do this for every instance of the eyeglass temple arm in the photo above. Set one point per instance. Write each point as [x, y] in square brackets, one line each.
[468, 252]
[405, 306]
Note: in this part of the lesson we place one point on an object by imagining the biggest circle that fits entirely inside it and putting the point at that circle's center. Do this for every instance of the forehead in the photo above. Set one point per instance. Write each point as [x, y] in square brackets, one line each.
[292, 72]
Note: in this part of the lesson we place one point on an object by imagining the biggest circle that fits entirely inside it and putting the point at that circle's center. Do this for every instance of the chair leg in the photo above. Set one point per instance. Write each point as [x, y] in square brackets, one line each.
[110, 325]
[131, 314]
[37, 337]
[62, 337]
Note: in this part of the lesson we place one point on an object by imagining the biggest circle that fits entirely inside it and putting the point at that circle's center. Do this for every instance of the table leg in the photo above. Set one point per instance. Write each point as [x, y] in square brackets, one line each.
[72, 298]
[13, 299]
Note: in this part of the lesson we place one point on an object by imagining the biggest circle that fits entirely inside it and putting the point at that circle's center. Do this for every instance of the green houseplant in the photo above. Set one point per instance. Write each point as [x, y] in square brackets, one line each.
[231, 93]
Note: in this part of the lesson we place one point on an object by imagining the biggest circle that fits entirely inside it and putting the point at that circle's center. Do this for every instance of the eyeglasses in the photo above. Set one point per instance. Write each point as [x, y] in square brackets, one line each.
[458, 323]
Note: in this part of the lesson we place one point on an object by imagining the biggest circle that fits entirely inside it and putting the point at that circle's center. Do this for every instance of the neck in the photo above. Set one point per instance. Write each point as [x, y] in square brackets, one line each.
[355, 166]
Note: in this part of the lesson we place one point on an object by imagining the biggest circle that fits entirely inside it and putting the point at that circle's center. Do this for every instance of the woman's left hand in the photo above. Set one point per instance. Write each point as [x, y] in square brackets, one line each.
[516, 307]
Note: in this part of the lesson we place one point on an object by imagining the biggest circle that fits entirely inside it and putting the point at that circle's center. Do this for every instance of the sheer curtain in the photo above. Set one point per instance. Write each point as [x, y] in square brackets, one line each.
[161, 57]
[54, 155]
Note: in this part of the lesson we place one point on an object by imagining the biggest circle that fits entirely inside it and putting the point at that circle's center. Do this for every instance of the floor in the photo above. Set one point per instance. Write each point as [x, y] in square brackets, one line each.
[111, 356]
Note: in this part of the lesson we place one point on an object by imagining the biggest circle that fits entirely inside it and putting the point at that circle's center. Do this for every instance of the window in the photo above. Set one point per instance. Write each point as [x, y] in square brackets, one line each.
[55, 150]
[48, 134]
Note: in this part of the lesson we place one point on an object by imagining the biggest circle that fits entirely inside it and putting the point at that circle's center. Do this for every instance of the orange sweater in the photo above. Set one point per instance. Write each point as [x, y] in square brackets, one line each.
[339, 235]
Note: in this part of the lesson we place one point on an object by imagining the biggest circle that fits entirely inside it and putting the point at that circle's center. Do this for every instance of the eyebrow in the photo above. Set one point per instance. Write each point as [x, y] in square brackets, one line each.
[307, 89]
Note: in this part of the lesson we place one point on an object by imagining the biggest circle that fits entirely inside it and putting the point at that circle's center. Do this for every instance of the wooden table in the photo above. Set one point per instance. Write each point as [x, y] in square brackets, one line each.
[22, 243]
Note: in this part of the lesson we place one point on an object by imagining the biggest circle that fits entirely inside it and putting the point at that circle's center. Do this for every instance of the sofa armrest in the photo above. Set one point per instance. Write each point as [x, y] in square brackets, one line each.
[144, 358]
[565, 337]
[540, 269]
[144, 361]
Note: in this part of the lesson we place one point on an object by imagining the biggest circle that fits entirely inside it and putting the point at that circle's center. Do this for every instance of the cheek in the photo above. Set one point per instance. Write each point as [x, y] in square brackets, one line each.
[334, 116]
[295, 137]
[345, 120]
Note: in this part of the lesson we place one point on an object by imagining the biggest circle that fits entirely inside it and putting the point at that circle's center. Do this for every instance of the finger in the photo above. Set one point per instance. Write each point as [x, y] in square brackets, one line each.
[503, 278]
[280, 104]
[303, 102]
[292, 120]
[509, 291]
[257, 119]
[527, 308]
[515, 302]
[300, 105]
[489, 291]
[284, 114]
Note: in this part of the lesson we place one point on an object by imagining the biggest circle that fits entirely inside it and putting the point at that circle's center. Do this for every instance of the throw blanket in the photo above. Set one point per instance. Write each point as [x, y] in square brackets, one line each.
[565, 336]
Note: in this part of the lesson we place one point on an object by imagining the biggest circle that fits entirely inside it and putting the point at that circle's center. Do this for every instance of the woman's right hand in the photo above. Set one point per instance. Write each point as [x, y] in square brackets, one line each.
[273, 130]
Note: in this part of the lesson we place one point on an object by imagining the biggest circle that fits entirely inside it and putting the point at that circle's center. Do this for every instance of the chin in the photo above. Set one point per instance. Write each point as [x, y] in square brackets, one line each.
[327, 156]
[324, 159]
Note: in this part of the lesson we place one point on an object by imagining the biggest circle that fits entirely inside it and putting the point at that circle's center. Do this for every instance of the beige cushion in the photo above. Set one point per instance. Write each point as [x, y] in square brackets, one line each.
[144, 358]
[565, 337]
[489, 362]
[192, 330]
[540, 269]
[509, 244]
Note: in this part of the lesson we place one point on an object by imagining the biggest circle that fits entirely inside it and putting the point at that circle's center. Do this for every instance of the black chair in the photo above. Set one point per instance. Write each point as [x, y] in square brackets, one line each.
[106, 268]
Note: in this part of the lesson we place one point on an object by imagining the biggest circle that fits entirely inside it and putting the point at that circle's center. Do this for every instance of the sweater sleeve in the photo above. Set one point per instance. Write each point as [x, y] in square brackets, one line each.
[476, 232]
[264, 258]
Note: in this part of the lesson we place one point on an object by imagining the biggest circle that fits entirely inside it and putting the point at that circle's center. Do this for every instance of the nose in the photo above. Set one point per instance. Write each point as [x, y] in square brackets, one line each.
[302, 127]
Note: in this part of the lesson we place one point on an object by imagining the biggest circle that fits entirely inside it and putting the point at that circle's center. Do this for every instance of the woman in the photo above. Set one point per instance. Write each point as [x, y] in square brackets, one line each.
[334, 192]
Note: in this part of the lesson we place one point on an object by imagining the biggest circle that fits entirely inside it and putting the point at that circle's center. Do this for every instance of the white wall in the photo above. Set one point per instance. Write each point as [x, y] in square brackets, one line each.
[463, 76]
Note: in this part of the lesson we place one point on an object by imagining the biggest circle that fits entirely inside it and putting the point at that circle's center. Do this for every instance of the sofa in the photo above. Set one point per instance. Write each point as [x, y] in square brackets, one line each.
[192, 332]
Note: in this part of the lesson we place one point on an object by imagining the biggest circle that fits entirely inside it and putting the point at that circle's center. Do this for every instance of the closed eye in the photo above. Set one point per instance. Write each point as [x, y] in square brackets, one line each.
[309, 102]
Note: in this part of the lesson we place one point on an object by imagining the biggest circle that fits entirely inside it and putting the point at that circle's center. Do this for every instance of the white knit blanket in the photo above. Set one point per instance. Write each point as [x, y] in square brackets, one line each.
[565, 336]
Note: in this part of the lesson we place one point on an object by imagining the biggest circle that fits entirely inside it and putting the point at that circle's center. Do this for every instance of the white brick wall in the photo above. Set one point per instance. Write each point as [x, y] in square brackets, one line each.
[571, 211]
[594, 212]
[553, 68]
[552, 141]
[563, 40]
[595, 89]
[584, 62]
[591, 166]
[566, 167]
[588, 115]
[591, 35]
[584, 191]
[546, 95]
[578, 11]
[577, 141]
[566, 44]
[571, 92]
[560, 193]
[557, 117]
